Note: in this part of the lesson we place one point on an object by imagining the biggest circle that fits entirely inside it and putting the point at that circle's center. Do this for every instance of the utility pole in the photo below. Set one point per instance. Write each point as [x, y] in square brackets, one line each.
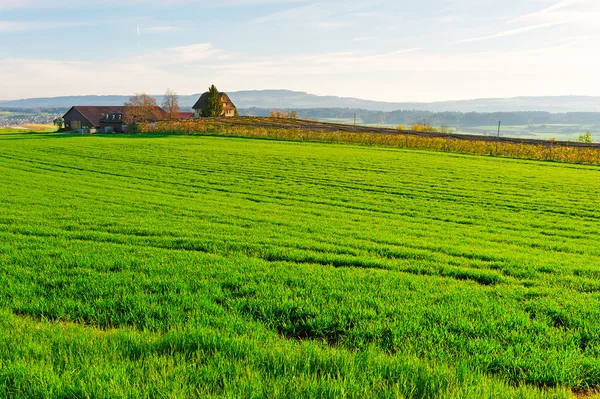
[498, 138]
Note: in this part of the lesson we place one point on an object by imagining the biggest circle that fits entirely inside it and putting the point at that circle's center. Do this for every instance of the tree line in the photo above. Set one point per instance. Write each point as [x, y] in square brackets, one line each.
[466, 119]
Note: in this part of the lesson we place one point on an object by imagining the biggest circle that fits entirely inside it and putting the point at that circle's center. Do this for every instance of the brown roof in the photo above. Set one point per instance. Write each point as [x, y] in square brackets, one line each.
[116, 117]
[186, 115]
[202, 100]
[94, 114]
[200, 103]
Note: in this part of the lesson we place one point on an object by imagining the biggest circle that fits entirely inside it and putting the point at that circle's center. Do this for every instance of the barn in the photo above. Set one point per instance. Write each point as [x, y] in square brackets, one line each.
[88, 119]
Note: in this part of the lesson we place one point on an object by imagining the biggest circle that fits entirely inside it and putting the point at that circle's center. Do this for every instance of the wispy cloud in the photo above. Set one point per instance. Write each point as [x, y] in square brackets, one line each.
[333, 25]
[550, 12]
[22, 26]
[512, 32]
[45, 4]
[394, 53]
[550, 39]
[565, 12]
[162, 29]
[365, 38]
[185, 55]
[407, 74]
[296, 13]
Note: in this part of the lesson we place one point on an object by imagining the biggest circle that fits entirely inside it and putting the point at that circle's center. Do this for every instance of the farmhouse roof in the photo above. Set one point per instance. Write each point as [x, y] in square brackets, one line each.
[95, 114]
[202, 100]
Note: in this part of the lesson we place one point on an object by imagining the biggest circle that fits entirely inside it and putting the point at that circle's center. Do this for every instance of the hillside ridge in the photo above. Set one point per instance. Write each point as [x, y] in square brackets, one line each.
[302, 100]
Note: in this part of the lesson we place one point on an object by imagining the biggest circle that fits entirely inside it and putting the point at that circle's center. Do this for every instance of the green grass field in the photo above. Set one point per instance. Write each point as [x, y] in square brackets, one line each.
[542, 132]
[534, 131]
[12, 130]
[28, 129]
[180, 266]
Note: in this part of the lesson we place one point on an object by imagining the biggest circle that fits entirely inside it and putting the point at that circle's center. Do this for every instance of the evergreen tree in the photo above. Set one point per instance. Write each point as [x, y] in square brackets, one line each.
[213, 107]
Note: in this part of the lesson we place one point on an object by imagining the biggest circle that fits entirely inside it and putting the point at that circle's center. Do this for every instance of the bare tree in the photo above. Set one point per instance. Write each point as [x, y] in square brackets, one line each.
[170, 104]
[277, 114]
[141, 108]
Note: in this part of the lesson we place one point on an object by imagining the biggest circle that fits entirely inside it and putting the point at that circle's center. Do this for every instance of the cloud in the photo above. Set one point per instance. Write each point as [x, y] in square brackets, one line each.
[550, 11]
[333, 25]
[577, 13]
[296, 13]
[319, 64]
[13, 3]
[192, 54]
[22, 26]
[365, 38]
[162, 29]
[57, 4]
[512, 32]
[414, 61]
[405, 74]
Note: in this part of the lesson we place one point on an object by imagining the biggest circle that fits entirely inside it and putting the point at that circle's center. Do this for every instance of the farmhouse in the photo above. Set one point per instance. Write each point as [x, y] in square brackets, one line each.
[228, 107]
[103, 118]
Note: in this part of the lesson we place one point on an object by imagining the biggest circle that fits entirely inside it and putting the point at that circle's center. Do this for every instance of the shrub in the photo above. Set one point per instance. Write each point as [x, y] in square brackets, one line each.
[277, 114]
[585, 138]
[425, 128]
[133, 128]
[445, 129]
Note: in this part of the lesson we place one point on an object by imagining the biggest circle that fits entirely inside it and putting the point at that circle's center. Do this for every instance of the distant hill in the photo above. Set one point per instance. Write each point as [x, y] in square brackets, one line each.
[299, 100]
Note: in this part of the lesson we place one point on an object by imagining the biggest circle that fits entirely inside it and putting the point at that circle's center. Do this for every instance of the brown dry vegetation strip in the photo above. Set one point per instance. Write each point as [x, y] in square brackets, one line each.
[301, 130]
[301, 124]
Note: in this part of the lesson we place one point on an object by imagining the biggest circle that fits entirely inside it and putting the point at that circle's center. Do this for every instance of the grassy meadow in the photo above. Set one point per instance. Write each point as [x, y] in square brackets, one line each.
[302, 130]
[538, 131]
[30, 128]
[190, 266]
[534, 131]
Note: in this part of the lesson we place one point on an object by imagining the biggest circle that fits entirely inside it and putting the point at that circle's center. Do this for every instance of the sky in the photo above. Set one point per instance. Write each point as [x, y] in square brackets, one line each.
[426, 50]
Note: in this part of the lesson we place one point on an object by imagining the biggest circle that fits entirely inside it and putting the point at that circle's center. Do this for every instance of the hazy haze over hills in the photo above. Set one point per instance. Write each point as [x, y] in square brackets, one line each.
[301, 100]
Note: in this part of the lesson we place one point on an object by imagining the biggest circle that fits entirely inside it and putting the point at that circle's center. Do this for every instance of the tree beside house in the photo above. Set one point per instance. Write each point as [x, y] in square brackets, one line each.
[214, 104]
